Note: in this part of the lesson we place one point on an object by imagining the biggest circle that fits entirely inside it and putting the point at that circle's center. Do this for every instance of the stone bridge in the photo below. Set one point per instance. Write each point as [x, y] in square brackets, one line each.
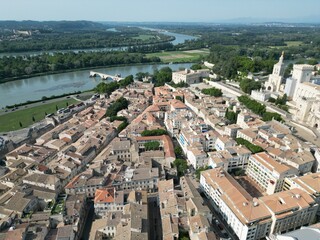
[105, 76]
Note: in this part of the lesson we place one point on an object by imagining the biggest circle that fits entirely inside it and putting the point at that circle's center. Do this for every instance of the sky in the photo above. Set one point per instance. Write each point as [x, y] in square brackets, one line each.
[161, 10]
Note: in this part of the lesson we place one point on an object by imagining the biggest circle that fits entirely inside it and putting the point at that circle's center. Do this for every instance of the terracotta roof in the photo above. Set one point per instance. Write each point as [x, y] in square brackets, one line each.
[167, 143]
[104, 195]
[242, 204]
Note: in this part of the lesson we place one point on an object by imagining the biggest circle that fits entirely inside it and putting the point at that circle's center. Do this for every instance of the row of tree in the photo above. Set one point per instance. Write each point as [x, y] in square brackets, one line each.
[155, 132]
[14, 67]
[259, 109]
[84, 39]
[253, 148]
[215, 92]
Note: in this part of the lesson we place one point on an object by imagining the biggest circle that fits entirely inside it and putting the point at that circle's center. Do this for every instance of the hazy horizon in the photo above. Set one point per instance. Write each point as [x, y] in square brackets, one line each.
[165, 11]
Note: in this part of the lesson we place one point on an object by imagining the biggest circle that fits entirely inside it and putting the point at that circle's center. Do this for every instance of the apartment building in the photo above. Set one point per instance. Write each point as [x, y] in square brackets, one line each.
[85, 183]
[290, 210]
[140, 178]
[310, 183]
[231, 158]
[256, 218]
[268, 173]
[246, 215]
[108, 200]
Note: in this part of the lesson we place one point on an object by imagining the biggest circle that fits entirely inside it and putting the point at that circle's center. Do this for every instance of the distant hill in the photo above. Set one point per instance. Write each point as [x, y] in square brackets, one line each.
[51, 25]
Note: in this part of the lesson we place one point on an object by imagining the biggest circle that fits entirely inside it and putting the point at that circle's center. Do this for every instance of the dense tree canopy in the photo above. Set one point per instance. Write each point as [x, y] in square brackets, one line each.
[11, 67]
[162, 76]
[231, 116]
[215, 92]
[118, 105]
[181, 166]
[247, 85]
[151, 146]
[253, 105]
[108, 88]
[156, 132]
[253, 148]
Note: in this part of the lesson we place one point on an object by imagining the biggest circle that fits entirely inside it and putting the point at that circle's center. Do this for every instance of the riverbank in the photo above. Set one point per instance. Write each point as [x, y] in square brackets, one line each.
[37, 52]
[4, 80]
[22, 118]
[44, 98]
[35, 88]
[173, 60]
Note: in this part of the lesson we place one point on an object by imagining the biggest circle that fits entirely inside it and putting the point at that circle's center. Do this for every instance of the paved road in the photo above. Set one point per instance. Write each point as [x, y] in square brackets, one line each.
[218, 216]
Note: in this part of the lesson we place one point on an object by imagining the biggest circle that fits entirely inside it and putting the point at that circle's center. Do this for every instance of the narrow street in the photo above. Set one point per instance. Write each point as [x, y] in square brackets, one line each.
[218, 217]
[88, 222]
[154, 219]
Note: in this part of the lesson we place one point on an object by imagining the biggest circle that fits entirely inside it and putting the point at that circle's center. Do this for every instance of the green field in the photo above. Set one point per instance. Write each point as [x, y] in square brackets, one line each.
[11, 120]
[180, 56]
[293, 43]
[144, 37]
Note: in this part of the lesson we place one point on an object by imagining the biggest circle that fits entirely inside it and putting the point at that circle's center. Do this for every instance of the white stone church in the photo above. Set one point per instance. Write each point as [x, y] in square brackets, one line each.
[301, 89]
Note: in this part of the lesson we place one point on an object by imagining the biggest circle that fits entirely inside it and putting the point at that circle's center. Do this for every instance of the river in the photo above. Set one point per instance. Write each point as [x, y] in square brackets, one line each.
[179, 38]
[35, 88]
[55, 84]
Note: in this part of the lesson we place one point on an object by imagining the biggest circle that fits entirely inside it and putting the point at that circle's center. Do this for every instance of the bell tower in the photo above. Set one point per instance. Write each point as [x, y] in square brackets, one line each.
[275, 79]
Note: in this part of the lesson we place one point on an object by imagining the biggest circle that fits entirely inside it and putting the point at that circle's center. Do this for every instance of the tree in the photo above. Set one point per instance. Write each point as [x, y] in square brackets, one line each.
[247, 85]
[196, 66]
[181, 166]
[268, 116]
[141, 75]
[151, 146]
[253, 148]
[231, 116]
[20, 124]
[118, 105]
[57, 107]
[201, 169]
[179, 98]
[312, 61]
[215, 92]
[181, 84]
[253, 105]
[162, 76]
[282, 100]
[178, 152]
[127, 81]
[155, 132]
[122, 126]
[33, 119]
[288, 70]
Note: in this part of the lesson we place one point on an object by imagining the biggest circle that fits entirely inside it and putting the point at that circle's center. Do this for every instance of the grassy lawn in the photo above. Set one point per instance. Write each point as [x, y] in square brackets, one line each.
[10, 121]
[144, 37]
[180, 56]
[293, 43]
[58, 208]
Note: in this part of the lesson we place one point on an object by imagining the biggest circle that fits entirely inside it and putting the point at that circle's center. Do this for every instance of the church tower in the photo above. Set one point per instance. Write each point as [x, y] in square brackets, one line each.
[275, 79]
[278, 68]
